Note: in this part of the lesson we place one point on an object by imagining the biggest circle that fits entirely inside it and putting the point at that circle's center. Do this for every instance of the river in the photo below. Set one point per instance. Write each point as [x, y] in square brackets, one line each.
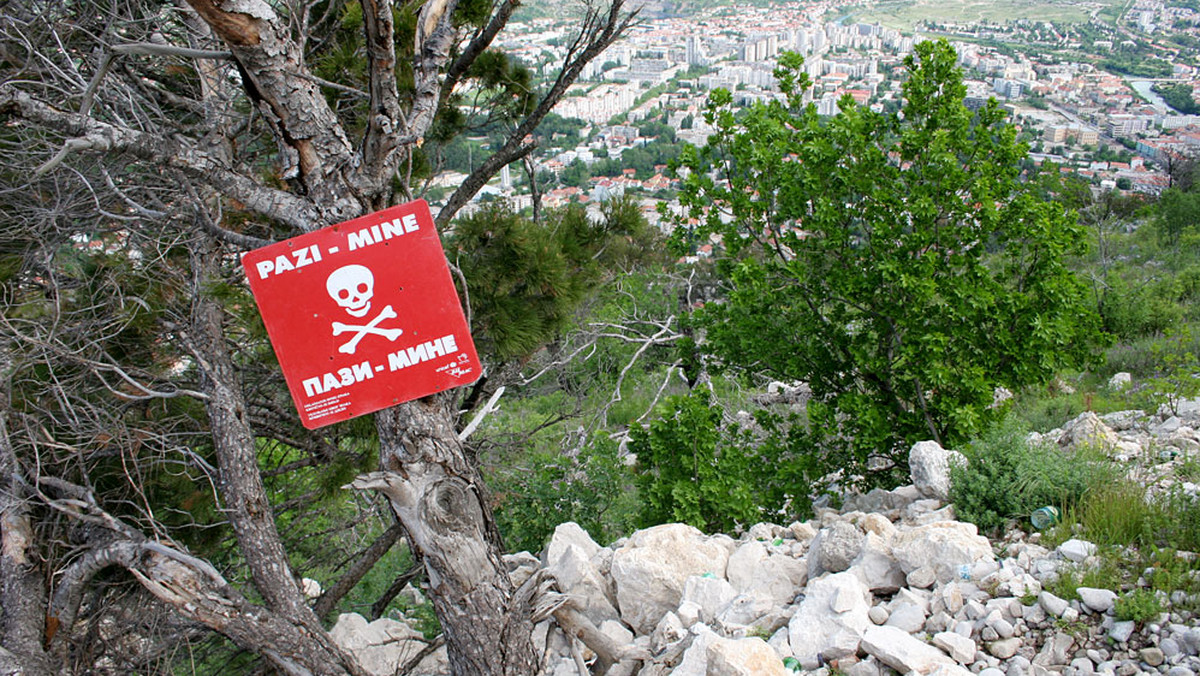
[1143, 87]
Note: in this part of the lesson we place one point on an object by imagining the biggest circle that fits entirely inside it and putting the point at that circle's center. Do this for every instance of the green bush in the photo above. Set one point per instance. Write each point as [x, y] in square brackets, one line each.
[1041, 411]
[535, 494]
[1179, 524]
[1178, 364]
[1139, 605]
[694, 469]
[1138, 308]
[1007, 477]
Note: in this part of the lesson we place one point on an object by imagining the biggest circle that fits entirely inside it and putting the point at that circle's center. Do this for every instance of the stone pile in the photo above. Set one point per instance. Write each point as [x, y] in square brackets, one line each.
[891, 582]
[1153, 447]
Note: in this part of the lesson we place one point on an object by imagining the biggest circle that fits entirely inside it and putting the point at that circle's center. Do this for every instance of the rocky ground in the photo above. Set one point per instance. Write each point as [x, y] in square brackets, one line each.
[889, 582]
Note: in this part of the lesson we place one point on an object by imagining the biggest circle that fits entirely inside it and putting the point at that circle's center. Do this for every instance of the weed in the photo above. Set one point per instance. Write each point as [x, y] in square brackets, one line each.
[1178, 521]
[1028, 598]
[1067, 584]
[1118, 514]
[1176, 379]
[1168, 570]
[1107, 574]
[1066, 528]
[1139, 605]
[1075, 628]
[1041, 411]
[1007, 477]
[759, 632]
[1189, 469]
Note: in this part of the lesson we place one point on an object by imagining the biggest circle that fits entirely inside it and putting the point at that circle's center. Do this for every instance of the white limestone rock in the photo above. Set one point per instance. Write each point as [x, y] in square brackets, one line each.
[878, 524]
[311, 588]
[743, 657]
[576, 574]
[929, 464]
[1121, 631]
[520, 566]
[921, 578]
[1120, 381]
[754, 570]
[1004, 648]
[1086, 431]
[1098, 600]
[1052, 604]
[1121, 421]
[711, 594]
[1076, 550]
[942, 546]
[831, 620]
[688, 612]
[695, 658]
[650, 569]
[959, 647]
[380, 645]
[834, 548]
[906, 617]
[566, 535]
[876, 566]
[669, 630]
[748, 610]
[906, 654]
[618, 632]
[1056, 651]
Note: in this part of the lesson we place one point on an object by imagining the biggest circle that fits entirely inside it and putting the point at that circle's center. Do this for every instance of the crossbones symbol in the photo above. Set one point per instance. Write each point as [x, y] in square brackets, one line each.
[352, 287]
[370, 327]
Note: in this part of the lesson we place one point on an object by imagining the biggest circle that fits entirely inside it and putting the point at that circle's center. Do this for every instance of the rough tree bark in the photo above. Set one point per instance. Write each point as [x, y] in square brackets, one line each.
[437, 494]
[23, 594]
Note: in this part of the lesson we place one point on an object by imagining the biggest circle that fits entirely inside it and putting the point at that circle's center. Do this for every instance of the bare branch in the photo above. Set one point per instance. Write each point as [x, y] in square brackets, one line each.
[380, 143]
[155, 49]
[371, 556]
[487, 408]
[168, 152]
[600, 29]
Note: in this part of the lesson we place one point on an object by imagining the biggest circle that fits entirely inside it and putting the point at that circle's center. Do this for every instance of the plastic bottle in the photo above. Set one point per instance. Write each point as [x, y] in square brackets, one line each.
[1044, 516]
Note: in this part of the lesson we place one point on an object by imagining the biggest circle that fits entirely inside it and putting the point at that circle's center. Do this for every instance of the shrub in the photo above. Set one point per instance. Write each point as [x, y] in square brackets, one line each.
[1139, 605]
[1179, 523]
[1169, 570]
[1176, 379]
[694, 468]
[1007, 477]
[537, 493]
[1067, 583]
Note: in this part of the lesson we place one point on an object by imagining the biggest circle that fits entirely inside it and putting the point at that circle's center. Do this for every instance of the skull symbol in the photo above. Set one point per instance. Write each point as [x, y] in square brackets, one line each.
[351, 287]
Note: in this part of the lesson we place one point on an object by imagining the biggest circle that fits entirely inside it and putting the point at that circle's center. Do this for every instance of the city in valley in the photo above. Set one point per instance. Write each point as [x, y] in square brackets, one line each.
[1103, 89]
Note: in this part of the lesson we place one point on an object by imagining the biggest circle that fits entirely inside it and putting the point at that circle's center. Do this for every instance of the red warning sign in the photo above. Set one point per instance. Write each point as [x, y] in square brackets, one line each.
[363, 314]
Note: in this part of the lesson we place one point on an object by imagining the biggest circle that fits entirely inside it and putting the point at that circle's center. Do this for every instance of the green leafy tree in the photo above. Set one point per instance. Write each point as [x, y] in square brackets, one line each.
[696, 468]
[1177, 212]
[893, 261]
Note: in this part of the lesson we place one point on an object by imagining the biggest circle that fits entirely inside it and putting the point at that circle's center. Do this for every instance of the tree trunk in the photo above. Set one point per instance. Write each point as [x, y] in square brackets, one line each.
[436, 492]
[22, 584]
[241, 486]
